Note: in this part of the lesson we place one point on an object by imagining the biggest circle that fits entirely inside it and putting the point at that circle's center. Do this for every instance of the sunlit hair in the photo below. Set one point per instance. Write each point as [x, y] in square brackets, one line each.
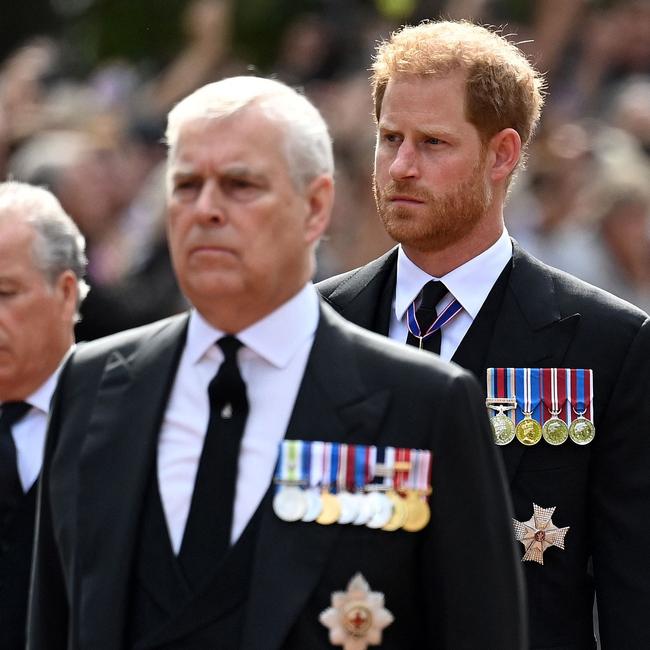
[58, 245]
[308, 146]
[503, 90]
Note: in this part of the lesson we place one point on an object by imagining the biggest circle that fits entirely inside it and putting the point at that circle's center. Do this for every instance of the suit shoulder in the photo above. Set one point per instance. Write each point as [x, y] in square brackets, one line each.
[124, 342]
[536, 285]
[381, 354]
[348, 284]
[575, 293]
[327, 287]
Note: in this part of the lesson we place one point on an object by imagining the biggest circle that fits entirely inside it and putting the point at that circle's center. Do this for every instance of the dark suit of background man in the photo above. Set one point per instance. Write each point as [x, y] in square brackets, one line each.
[41, 265]
[155, 534]
[456, 106]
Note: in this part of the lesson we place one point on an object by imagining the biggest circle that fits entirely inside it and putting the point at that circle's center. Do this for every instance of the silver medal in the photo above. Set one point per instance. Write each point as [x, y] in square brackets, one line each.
[383, 510]
[366, 510]
[290, 503]
[349, 507]
[314, 504]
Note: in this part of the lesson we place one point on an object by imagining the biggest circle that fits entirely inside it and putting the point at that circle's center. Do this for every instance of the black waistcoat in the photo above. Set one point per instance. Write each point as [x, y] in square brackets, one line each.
[164, 612]
[16, 543]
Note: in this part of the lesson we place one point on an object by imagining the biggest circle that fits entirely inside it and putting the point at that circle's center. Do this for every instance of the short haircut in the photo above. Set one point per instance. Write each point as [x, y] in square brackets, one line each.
[58, 245]
[308, 146]
[503, 90]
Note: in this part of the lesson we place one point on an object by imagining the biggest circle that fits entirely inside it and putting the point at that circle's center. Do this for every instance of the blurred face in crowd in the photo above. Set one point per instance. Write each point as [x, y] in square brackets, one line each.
[36, 317]
[241, 232]
[431, 179]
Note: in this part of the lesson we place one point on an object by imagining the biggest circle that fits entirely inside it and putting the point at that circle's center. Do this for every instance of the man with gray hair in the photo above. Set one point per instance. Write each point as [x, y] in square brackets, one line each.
[41, 267]
[257, 473]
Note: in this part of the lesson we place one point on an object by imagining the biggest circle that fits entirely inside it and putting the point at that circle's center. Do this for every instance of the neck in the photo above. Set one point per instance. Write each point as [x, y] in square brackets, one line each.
[234, 314]
[438, 263]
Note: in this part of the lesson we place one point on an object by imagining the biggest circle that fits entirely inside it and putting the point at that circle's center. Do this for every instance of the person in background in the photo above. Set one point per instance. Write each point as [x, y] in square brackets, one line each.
[42, 264]
[566, 366]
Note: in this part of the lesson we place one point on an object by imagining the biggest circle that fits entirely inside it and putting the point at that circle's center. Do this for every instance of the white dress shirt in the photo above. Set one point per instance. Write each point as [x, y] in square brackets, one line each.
[469, 283]
[29, 432]
[272, 363]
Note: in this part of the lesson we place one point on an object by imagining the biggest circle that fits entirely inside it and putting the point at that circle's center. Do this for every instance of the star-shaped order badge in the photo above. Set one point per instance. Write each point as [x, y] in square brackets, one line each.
[538, 533]
[357, 616]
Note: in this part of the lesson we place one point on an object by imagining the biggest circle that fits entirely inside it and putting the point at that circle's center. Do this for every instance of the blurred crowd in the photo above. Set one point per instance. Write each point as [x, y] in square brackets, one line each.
[95, 139]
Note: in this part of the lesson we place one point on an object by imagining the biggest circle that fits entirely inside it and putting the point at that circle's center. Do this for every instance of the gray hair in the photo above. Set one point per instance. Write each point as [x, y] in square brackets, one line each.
[58, 246]
[308, 146]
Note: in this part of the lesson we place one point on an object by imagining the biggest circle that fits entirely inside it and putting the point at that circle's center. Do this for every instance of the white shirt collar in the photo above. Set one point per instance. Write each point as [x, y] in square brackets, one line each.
[275, 338]
[469, 283]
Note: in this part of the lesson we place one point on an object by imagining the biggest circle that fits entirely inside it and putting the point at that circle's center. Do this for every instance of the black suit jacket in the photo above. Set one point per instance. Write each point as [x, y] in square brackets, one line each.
[602, 491]
[456, 584]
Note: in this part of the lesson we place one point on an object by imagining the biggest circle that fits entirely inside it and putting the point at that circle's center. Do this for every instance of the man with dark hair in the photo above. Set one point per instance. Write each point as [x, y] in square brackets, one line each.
[162, 523]
[41, 267]
[566, 366]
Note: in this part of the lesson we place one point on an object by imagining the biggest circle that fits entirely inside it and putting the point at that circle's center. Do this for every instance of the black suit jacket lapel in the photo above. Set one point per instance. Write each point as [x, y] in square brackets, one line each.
[366, 297]
[530, 330]
[332, 405]
[116, 460]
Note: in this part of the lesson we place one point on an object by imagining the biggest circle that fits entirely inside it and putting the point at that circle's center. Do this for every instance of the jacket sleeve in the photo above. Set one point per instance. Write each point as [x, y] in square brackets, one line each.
[620, 504]
[479, 598]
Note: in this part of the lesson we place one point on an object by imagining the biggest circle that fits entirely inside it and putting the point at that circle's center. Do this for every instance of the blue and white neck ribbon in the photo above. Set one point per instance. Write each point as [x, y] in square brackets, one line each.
[449, 312]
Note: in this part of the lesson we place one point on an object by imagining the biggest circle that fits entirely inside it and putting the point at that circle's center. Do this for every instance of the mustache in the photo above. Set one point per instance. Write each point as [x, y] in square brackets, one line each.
[403, 187]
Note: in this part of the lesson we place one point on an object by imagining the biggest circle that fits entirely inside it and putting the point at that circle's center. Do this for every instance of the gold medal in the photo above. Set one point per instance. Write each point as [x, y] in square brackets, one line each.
[418, 512]
[331, 509]
[528, 431]
[582, 430]
[555, 431]
[399, 512]
[503, 428]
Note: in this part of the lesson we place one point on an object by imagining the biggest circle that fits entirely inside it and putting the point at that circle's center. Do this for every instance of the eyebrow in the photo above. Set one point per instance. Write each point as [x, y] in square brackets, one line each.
[235, 169]
[430, 130]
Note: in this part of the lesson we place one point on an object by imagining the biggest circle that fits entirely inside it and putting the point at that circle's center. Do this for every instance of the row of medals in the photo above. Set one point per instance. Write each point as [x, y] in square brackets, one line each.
[380, 509]
[529, 431]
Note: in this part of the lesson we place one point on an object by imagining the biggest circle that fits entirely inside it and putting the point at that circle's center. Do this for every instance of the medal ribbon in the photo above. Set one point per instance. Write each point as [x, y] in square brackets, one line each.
[582, 392]
[333, 466]
[401, 476]
[554, 394]
[289, 466]
[316, 467]
[528, 392]
[451, 310]
[361, 458]
[501, 385]
[389, 465]
[424, 471]
[342, 469]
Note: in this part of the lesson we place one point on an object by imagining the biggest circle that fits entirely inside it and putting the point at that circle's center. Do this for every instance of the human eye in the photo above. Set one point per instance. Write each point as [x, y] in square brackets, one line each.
[185, 186]
[433, 141]
[7, 292]
[242, 188]
[389, 137]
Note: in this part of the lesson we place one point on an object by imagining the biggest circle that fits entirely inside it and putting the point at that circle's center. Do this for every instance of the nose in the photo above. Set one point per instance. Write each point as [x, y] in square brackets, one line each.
[209, 204]
[404, 165]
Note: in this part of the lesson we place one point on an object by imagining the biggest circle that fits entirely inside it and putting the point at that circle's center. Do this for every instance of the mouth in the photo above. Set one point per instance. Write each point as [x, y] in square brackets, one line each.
[211, 250]
[404, 198]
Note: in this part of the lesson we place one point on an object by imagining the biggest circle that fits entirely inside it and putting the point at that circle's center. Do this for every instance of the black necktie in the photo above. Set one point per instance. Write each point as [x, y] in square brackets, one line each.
[207, 533]
[10, 486]
[432, 294]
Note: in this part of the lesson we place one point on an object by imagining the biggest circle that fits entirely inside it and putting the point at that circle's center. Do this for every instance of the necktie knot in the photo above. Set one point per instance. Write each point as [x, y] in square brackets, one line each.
[11, 412]
[432, 293]
[227, 390]
[229, 345]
